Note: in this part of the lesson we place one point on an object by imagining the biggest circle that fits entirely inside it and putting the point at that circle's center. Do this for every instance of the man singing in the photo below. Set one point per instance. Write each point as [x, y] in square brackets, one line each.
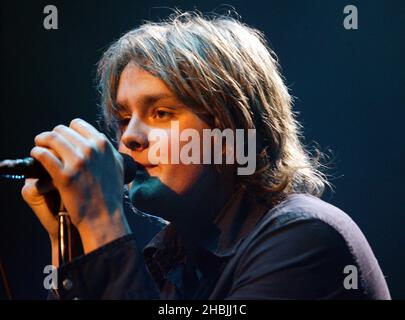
[264, 234]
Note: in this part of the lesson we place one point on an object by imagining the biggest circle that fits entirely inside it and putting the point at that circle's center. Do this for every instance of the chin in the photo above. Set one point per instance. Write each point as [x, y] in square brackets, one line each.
[154, 171]
[152, 196]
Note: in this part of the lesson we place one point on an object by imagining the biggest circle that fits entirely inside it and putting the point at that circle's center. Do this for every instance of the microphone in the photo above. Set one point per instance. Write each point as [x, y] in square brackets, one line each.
[31, 168]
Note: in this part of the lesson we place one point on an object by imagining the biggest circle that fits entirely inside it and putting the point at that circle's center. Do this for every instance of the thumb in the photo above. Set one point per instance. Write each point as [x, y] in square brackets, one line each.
[43, 199]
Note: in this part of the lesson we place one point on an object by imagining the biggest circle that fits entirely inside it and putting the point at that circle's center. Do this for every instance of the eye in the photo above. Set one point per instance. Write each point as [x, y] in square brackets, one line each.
[162, 114]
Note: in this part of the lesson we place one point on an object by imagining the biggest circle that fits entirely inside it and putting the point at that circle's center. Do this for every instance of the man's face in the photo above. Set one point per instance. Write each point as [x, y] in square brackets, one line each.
[146, 103]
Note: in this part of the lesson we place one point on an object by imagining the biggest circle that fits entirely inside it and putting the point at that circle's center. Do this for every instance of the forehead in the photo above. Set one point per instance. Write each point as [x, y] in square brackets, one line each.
[135, 83]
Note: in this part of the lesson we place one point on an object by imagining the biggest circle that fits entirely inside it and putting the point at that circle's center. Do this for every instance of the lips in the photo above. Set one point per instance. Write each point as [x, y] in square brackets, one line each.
[144, 170]
[146, 166]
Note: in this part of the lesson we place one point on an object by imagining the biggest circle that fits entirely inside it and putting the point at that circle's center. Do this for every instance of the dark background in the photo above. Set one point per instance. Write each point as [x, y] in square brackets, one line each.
[349, 88]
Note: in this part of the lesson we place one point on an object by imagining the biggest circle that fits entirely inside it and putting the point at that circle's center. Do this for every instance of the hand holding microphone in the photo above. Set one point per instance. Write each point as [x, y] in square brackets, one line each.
[87, 171]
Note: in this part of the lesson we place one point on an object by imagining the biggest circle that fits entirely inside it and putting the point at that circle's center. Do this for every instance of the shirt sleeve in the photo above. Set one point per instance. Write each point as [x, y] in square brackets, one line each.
[114, 271]
[302, 259]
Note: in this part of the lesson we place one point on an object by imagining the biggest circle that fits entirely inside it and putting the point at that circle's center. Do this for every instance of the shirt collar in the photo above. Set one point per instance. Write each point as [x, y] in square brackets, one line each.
[232, 224]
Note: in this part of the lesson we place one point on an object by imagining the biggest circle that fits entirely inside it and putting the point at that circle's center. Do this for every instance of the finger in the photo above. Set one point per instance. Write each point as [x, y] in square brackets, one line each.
[44, 186]
[40, 186]
[99, 140]
[49, 161]
[30, 190]
[55, 141]
[34, 196]
[72, 136]
[85, 129]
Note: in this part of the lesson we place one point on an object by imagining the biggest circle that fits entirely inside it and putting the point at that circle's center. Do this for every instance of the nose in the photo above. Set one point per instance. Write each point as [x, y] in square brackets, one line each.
[135, 136]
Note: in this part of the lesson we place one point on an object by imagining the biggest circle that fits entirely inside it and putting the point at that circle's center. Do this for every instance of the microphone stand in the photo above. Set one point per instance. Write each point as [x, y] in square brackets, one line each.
[64, 236]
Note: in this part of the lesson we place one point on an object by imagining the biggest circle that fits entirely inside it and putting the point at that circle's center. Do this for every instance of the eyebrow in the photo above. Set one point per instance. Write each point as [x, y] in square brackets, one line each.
[145, 100]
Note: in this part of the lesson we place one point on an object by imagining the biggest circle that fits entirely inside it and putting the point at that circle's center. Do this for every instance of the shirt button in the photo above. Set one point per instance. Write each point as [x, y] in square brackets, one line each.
[67, 284]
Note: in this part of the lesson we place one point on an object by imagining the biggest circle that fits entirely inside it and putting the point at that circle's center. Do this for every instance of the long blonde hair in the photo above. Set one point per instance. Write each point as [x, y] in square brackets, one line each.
[225, 71]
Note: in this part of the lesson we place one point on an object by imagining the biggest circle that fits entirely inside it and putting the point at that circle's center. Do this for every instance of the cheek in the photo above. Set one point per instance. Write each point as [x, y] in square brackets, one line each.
[165, 145]
[181, 177]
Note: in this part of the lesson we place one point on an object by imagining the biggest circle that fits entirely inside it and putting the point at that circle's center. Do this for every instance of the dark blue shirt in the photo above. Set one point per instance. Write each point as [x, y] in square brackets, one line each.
[303, 248]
